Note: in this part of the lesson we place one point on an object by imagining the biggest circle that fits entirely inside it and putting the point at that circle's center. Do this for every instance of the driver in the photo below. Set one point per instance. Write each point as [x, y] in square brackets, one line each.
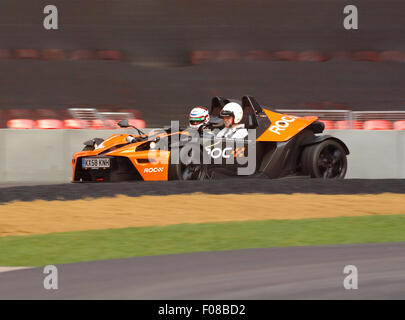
[232, 114]
[199, 118]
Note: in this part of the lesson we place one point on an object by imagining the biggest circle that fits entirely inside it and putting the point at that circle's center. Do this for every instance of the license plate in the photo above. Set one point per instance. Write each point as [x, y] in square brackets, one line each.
[95, 163]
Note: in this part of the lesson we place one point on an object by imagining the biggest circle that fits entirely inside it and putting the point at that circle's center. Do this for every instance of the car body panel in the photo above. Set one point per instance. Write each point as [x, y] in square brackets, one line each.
[152, 165]
[283, 126]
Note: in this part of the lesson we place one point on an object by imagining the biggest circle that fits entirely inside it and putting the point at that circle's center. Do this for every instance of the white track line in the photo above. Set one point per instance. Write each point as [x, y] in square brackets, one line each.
[6, 269]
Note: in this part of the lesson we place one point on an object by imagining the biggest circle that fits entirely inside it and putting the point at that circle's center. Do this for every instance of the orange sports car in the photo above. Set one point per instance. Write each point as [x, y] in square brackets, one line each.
[278, 145]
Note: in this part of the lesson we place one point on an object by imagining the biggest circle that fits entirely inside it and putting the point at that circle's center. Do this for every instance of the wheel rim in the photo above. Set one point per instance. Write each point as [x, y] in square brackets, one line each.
[331, 162]
[192, 172]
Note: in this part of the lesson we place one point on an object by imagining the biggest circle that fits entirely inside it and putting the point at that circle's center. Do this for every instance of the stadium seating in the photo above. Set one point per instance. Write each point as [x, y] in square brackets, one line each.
[53, 54]
[328, 124]
[109, 55]
[27, 54]
[40, 118]
[346, 124]
[49, 124]
[366, 56]
[312, 56]
[139, 123]
[286, 55]
[74, 124]
[399, 125]
[83, 55]
[49, 119]
[21, 124]
[106, 124]
[377, 125]
[341, 56]
[396, 56]
[258, 55]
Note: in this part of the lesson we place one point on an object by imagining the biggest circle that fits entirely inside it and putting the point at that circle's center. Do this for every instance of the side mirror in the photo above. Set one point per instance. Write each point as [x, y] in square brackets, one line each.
[124, 123]
[216, 122]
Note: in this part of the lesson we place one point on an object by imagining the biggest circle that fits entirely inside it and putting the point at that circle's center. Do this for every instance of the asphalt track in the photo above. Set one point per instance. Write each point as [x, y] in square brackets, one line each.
[71, 191]
[271, 273]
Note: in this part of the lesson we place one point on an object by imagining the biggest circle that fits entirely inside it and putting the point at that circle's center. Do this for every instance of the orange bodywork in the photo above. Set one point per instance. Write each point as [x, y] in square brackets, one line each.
[152, 165]
[283, 126]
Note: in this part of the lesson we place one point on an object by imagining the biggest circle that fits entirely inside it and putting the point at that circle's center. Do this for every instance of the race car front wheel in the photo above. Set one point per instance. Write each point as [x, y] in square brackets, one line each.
[326, 160]
[188, 170]
[90, 147]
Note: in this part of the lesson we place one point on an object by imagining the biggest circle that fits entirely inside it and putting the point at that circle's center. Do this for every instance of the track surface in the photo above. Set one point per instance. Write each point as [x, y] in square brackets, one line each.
[271, 273]
[224, 186]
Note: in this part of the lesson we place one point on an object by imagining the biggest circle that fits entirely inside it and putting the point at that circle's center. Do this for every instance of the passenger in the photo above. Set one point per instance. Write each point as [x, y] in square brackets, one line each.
[232, 114]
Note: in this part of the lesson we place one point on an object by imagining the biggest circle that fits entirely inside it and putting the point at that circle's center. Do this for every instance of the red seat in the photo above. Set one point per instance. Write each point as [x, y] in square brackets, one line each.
[106, 124]
[399, 125]
[312, 56]
[286, 55]
[109, 55]
[53, 54]
[341, 56]
[366, 56]
[328, 124]
[226, 55]
[347, 124]
[74, 124]
[258, 55]
[200, 56]
[377, 125]
[49, 124]
[21, 124]
[392, 56]
[111, 124]
[83, 55]
[96, 124]
[139, 123]
[27, 54]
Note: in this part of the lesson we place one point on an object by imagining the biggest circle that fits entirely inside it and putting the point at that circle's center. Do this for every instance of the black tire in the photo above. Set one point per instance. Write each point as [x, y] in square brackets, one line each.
[187, 171]
[326, 160]
[88, 148]
[91, 148]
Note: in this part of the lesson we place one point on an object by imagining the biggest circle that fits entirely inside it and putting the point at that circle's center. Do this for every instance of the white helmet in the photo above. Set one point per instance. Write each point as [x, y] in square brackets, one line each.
[232, 109]
[198, 116]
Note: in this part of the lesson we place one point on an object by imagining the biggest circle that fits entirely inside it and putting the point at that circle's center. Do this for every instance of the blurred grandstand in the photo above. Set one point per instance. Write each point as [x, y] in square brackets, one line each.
[153, 60]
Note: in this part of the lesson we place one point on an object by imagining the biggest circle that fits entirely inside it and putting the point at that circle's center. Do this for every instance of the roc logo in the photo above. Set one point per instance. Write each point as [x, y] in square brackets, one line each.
[225, 153]
[153, 170]
[218, 152]
[282, 124]
[238, 152]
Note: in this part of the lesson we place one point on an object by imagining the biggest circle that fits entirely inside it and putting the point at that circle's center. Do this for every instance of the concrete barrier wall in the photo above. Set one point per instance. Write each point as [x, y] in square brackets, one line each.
[374, 154]
[44, 156]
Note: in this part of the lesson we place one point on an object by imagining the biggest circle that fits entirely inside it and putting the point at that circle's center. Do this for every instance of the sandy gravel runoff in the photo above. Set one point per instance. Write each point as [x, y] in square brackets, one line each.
[39, 216]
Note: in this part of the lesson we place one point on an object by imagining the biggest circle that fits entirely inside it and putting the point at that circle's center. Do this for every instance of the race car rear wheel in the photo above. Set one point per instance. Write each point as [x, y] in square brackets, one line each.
[326, 160]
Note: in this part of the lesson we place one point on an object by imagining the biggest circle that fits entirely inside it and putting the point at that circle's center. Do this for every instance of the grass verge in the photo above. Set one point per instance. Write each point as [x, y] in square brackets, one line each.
[67, 247]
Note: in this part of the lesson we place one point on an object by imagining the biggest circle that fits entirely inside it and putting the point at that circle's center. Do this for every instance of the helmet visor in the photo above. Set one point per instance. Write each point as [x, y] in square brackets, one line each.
[226, 113]
[195, 121]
